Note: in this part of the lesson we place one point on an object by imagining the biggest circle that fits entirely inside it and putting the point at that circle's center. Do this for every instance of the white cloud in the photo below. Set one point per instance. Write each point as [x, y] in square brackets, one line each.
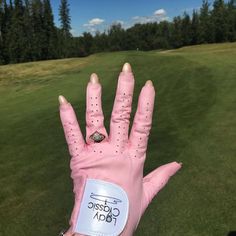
[135, 17]
[158, 16]
[142, 19]
[96, 21]
[160, 12]
[94, 24]
[98, 24]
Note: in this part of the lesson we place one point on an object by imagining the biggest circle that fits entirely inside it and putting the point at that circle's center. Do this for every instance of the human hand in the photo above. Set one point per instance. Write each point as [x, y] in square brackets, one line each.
[110, 192]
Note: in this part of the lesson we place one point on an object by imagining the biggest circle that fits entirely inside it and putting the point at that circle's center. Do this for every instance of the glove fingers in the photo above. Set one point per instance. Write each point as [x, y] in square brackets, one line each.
[142, 121]
[94, 113]
[119, 125]
[73, 135]
[156, 180]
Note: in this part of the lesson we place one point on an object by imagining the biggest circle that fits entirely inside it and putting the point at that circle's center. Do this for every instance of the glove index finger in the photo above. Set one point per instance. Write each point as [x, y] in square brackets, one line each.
[142, 121]
[73, 135]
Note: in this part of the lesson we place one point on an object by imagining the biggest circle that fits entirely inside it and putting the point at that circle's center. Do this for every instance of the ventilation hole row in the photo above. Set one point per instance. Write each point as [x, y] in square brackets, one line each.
[99, 151]
[147, 109]
[140, 138]
[93, 121]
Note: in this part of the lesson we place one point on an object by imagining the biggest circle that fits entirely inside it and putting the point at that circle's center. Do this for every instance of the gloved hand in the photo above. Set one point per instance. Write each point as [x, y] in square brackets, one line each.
[107, 171]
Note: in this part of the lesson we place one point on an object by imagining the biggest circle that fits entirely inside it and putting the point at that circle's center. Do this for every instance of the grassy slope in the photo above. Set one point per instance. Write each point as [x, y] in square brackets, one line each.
[194, 122]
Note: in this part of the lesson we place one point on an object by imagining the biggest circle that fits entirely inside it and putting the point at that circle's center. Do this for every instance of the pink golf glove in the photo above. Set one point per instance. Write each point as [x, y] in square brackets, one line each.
[111, 193]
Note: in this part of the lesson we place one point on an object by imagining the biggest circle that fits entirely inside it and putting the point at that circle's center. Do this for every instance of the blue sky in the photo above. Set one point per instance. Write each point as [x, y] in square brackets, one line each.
[92, 15]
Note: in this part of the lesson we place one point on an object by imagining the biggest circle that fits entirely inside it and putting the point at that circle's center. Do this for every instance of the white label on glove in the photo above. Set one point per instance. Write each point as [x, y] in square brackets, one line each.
[103, 210]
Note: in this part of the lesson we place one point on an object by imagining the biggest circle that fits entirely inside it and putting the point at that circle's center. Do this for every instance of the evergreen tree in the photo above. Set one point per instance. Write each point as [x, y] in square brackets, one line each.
[231, 20]
[100, 42]
[206, 26]
[186, 29]
[65, 18]
[37, 28]
[16, 35]
[6, 26]
[219, 18]
[116, 37]
[151, 30]
[1, 34]
[133, 38]
[163, 36]
[1, 18]
[49, 46]
[28, 27]
[176, 32]
[87, 43]
[195, 25]
[65, 35]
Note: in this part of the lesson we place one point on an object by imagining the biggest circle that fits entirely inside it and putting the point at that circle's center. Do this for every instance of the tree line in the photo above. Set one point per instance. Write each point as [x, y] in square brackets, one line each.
[28, 31]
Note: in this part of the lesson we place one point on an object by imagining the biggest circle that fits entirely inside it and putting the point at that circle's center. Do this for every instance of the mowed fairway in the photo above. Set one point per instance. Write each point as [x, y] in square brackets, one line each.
[194, 122]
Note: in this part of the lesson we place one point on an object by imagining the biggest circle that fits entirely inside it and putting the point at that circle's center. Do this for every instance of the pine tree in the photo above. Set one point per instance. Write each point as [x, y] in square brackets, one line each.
[132, 39]
[6, 26]
[64, 34]
[28, 27]
[65, 18]
[206, 25]
[100, 42]
[195, 25]
[186, 29]
[176, 39]
[219, 18]
[231, 20]
[116, 37]
[1, 34]
[87, 43]
[163, 36]
[49, 47]
[16, 35]
[38, 29]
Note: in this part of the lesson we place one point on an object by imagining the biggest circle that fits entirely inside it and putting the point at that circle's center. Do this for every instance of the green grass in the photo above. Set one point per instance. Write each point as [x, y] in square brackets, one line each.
[194, 122]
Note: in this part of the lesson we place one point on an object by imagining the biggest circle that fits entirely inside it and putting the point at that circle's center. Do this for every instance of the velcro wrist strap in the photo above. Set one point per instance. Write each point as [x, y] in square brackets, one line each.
[103, 210]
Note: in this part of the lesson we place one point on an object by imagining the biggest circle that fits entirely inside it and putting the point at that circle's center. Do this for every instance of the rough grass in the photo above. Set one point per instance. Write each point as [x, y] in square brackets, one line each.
[194, 122]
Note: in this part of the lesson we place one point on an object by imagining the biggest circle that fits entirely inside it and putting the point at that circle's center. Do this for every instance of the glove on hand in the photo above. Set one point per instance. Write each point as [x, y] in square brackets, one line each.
[110, 192]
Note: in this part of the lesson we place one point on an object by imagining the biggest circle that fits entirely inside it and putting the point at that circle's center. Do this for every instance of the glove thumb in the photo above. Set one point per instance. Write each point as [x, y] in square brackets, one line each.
[156, 180]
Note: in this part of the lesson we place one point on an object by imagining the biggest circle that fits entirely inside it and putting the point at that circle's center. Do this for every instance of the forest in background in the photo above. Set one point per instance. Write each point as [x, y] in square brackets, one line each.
[28, 31]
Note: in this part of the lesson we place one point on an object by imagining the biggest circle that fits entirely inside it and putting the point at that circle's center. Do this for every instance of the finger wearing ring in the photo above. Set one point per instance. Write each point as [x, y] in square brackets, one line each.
[97, 137]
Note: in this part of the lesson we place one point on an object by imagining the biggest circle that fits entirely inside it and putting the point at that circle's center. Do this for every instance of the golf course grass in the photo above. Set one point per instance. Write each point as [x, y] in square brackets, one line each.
[194, 122]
